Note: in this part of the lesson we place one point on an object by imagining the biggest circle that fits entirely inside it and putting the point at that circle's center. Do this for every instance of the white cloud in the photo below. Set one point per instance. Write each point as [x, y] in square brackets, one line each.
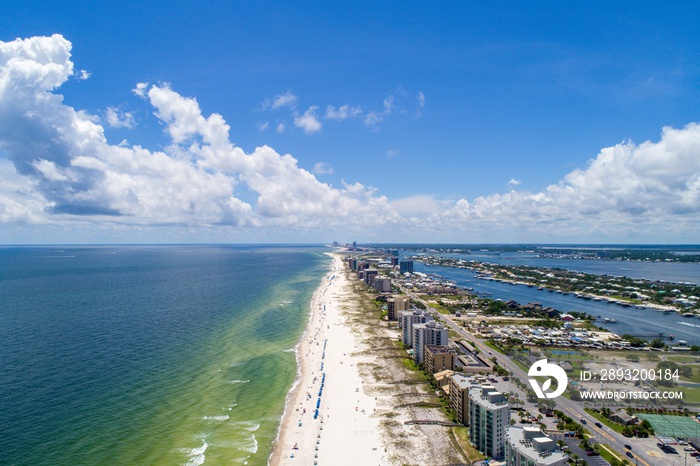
[392, 153]
[513, 182]
[140, 89]
[322, 168]
[84, 75]
[421, 103]
[282, 100]
[281, 128]
[374, 118]
[63, 169]
[418, 205]
[308, 121]
[262, 126]
[342, 113]
[627, 187]
[118, 118]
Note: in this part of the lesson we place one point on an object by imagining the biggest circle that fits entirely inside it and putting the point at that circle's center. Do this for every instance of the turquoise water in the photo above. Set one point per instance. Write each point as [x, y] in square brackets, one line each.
[147, 354]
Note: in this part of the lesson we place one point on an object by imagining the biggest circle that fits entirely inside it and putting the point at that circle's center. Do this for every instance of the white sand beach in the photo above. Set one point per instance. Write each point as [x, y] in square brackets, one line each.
[344, 432]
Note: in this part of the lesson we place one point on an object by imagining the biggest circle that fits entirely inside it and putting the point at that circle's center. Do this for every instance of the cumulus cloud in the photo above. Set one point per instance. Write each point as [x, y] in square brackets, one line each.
[281, 128]
[308, 121]
[626, 187]
[61, 166]
[418, 205]
[83, 75]
[140, 89]
[57, 166]
[118, 118]
[513, 182]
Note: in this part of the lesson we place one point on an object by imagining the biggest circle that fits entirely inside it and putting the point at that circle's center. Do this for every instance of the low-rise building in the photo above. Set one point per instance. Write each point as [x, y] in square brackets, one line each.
[439, 358]
[529, 446]
[621, 417]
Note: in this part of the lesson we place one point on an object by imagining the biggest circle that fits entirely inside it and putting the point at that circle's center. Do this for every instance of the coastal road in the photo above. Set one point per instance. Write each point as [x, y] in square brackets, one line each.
[569, 407]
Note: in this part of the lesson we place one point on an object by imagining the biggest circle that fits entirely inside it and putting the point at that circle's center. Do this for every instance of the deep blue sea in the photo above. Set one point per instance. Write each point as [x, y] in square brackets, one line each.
[149, 354]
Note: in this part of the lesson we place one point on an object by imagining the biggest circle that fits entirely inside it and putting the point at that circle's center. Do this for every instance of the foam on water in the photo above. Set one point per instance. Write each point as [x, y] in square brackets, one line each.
[238, 381]
[216, 418]
[196, 455]
[689, 325]
[251, 446]
[250, 426]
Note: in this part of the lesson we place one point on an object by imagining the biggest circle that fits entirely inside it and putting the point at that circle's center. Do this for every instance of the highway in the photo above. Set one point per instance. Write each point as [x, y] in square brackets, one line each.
[571, 408]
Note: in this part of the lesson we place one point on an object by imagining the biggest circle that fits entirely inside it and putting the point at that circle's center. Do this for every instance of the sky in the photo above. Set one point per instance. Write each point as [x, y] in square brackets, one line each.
[239, 122]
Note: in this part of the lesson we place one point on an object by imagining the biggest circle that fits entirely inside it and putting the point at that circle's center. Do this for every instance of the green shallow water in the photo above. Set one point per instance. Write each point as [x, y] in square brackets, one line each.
[170, 355]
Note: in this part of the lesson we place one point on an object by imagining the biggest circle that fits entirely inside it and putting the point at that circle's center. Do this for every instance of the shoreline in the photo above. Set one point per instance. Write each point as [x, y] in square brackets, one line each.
[301, 372]
[328, 417]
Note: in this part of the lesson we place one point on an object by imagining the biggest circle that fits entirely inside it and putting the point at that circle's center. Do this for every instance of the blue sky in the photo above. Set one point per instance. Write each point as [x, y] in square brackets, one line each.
[467, 122]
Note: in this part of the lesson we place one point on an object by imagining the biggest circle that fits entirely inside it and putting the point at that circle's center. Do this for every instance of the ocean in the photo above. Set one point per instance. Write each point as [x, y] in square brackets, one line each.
[149, 354]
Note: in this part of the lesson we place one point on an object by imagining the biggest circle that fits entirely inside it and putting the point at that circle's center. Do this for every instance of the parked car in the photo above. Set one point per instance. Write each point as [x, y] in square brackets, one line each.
[592, 453]
[629, 454]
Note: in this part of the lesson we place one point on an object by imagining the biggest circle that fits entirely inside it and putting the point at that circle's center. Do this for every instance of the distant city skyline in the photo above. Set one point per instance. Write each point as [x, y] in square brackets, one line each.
[392, 123]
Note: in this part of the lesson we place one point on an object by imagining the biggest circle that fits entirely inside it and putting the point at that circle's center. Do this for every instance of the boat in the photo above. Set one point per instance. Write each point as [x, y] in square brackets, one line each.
[608, 320]
[688, 314]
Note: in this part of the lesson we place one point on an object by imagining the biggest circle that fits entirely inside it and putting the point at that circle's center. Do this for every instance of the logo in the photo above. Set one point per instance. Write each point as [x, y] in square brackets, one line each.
[545, 369]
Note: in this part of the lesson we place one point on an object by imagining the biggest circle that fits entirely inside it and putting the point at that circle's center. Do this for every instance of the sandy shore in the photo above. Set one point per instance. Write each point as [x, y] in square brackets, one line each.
[344, 430]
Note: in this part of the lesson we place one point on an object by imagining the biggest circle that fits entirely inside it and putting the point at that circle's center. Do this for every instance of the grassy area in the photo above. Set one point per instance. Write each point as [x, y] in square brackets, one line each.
[438, 307]
[410, 364]
[462, 436]
[683, 359]
[492, 346]
[614, 426]
[608, 453]
[690, 394]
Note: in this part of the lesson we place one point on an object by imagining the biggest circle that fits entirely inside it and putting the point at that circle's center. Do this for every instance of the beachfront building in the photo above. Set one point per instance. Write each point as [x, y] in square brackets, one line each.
[439, 358]
[369, 273]
[406, 321]
[405, 266]
[394, 305]
[529, 446]
[459, 397]
[382, 284]
[489, 416]
[429, 333]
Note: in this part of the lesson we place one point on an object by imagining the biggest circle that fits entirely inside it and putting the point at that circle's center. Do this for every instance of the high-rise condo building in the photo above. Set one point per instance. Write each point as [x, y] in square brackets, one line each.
[429, 333]
[489, 415]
